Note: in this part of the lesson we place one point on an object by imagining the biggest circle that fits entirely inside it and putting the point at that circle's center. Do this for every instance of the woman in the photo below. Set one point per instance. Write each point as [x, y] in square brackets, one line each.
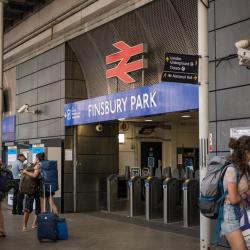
[236, 183]
[47, 196]
[29, 200]
[2, 231]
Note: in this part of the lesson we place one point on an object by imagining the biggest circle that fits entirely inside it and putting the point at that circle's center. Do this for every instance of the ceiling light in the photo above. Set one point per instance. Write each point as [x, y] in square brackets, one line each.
[148, 120]
[186, 116]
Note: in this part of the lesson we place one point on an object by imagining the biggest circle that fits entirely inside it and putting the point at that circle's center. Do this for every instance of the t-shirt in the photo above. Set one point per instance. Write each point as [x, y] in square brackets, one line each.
[17, 167]
[231, 177]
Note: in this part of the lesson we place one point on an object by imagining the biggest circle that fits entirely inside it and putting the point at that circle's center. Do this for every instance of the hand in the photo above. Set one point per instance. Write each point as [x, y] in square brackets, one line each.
[25, 171]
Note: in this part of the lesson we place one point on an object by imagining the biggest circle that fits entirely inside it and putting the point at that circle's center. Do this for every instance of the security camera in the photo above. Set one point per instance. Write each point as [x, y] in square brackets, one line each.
[99, 128]
[23, 109]
[243, 47]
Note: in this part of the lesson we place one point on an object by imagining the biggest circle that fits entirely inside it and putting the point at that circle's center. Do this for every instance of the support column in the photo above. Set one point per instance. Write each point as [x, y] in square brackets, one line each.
[203, 109]
[1, 73]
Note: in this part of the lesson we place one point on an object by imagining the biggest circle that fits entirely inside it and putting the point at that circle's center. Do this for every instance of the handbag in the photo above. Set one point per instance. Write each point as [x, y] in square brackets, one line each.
[245, 226]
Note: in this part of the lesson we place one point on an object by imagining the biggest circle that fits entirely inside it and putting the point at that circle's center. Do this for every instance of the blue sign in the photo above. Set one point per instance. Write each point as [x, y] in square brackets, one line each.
[9, 128]
[151, 100]
[12, 151]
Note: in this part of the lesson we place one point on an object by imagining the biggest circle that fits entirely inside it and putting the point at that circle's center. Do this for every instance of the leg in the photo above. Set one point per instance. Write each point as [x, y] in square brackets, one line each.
[53, 205]
[20, 198]
[236, 240]
[34, 224]
[1, 222]
[14, 207]
[25, 220]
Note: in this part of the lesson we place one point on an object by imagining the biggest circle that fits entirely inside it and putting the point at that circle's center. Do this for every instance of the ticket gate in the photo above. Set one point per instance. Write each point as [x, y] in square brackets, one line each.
[136, 196]
[191, 211]
[154, 198]
[117, 193]
[172, 200]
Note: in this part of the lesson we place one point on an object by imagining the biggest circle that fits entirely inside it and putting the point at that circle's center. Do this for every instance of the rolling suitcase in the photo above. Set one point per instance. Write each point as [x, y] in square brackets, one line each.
[47, 224]
[62, 229]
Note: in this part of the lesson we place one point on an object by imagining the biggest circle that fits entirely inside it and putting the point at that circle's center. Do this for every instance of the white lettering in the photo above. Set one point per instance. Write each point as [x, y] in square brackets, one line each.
[119, 102]
[139, 102]
[124, 102]
[106, 107]
[102, 108]
[90, 109]
[133, 102]
[145, 100]
[152, 101]
[114, 107]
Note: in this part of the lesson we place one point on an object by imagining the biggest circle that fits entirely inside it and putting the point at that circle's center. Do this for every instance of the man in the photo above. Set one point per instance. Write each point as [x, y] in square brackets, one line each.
[18, 197]
[2, 231]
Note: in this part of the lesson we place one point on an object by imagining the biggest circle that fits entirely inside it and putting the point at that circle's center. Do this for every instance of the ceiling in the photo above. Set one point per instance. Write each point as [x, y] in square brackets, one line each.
[15, 11]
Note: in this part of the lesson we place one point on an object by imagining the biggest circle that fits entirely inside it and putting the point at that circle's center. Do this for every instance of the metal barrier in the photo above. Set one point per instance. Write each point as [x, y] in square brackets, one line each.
[154, 198]
[172, 200]
[136, 196]
[117, 193]
[191, 212]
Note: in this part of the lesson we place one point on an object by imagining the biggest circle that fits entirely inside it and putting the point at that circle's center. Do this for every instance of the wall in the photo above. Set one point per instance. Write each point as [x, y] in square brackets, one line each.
[229, 83]
[180, 135]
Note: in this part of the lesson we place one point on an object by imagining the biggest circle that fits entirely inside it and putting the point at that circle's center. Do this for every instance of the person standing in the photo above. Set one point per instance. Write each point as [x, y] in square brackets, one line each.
[18, 197]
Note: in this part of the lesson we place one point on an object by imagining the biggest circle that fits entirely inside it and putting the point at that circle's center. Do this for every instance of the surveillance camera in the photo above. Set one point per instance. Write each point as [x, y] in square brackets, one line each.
[99, 128]
[24, 108]
[243, 47]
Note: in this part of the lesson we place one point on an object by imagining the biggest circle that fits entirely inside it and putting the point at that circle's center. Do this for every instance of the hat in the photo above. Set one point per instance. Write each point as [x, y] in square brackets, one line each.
[22, 155]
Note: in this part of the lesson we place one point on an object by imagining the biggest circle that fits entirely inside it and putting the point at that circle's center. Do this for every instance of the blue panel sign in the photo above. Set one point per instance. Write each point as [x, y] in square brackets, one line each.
[151, 100]
[9, 128]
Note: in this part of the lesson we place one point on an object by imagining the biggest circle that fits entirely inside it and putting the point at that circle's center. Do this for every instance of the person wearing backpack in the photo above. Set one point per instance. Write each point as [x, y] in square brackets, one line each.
[2, 230]
[236, 188]
[30, 198]
[45, 186]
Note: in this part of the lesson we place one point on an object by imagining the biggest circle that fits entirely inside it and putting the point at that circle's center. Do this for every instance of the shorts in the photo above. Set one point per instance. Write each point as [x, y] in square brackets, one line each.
[29, 201]
[47, 194]
[231, 221]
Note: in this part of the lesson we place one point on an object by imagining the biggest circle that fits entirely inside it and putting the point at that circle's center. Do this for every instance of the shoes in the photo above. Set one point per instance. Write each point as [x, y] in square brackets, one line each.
[14, 212]
[21, 213]
[25, 229]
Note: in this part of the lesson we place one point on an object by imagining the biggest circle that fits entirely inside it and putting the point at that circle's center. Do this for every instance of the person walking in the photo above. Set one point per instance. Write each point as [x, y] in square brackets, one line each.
[236, 183]
[30, 198]
[18, 197]
[2, 230]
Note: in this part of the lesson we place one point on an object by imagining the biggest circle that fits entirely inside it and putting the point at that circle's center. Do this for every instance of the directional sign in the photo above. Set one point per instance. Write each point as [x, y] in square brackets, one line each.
[180, 68]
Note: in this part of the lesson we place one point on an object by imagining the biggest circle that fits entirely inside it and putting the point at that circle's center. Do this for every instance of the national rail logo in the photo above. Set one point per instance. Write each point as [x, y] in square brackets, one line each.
[125, 66]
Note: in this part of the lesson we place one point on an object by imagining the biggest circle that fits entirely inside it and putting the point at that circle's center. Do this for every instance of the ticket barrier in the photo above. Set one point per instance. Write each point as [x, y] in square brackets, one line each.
[117, 193]
[191, 211]
[136, 196]
[172, 200]
[154, 198]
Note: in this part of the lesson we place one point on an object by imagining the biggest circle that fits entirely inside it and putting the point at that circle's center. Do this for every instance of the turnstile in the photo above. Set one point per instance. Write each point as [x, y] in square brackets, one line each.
[136, 196]
[154, 198]
[191, 212]
[117, 193]
[172, 200]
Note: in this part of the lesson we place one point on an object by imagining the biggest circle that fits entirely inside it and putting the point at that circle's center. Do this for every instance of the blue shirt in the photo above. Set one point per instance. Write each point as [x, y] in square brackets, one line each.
[16, 169]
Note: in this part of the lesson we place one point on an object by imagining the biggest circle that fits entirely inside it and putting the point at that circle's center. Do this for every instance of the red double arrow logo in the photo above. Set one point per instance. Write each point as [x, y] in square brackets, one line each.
[124, 66]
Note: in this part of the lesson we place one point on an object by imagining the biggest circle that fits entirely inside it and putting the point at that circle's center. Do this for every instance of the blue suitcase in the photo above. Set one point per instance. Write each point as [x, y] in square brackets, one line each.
[62, 229]
[47, 224]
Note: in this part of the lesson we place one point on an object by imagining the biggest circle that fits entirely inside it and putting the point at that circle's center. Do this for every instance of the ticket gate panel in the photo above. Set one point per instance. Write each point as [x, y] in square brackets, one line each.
[154, 198]
[136, 196]
[172, 200]
[117, 193]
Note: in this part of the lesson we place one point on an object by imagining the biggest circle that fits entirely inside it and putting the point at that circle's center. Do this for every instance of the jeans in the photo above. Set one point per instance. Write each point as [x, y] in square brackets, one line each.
[17, 199]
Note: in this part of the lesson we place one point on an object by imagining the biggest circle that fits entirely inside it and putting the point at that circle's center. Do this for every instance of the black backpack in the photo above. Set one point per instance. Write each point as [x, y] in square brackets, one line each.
[6, 180]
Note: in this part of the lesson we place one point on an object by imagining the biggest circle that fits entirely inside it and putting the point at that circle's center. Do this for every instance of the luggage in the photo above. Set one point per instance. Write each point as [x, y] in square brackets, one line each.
[47, 224]
[49, 175]
[62, 229]
[6, 180]
[211, 192]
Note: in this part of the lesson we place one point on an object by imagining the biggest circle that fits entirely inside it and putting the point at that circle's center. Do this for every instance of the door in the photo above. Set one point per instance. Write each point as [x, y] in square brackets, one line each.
[151, 154]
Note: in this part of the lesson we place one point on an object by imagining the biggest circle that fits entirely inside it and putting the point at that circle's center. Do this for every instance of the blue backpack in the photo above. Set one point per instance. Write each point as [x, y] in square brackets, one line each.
[49, 175]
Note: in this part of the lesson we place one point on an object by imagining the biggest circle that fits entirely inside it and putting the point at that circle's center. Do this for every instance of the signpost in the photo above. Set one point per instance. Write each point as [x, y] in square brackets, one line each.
[180, 68]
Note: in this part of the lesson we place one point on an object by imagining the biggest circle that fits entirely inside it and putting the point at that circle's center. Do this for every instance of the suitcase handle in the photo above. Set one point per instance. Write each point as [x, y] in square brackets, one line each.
[50, 196]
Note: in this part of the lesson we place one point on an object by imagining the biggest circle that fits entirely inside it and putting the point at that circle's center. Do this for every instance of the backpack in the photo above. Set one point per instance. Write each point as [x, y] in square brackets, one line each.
[6, 180]
[49, 175]
[28, 185]
[212, 193]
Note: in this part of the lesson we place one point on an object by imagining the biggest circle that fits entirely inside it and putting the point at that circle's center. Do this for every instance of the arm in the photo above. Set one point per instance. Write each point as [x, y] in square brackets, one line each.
[233, 195]
[34, 174]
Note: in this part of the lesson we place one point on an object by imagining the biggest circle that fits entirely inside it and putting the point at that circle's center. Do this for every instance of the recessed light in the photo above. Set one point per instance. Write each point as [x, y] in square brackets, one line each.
[121, 119]
[148, 120]
[186, 116]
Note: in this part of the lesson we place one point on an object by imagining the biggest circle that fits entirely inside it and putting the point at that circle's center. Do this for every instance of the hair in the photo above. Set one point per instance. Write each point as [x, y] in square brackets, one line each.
[40, 156]
[240, 148]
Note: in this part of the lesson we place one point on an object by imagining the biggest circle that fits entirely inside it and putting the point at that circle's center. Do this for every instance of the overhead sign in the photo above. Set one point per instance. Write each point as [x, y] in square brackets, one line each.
[125, 64]
[180, 68]
[151, 100]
